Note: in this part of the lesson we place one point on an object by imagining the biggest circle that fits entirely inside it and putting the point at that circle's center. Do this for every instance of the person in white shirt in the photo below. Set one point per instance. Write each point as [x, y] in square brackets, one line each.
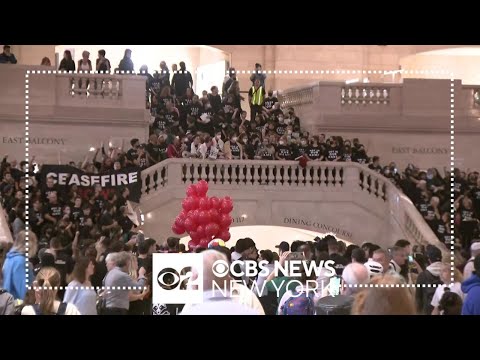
[195, 147]
[474, 251]
[45, 286]
[79, 291]
[455, 287]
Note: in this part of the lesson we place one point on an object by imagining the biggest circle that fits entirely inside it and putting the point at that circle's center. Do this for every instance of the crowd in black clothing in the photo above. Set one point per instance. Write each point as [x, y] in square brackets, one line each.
[96, 222]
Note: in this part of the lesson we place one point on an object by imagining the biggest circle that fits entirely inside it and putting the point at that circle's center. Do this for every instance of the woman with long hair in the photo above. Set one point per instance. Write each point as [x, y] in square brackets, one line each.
[455, 287]
[17, 276]
[79, 291]
[67, 63]
[46, 287]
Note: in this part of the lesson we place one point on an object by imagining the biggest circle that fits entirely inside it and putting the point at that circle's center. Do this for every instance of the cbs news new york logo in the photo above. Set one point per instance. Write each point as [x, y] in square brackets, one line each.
[172, 274]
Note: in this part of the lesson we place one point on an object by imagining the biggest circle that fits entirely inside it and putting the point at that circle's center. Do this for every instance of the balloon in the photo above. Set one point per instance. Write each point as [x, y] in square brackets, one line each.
[189, 224]
[214, 215]
[194, 235]
[204, 203]
[202, 188]
[177, 230]
[226, 206]
[194, 202]
[200, 231]
[195, 215]
[214, 203]
[225, 221]
[186, 204]
[180, 222]
[192, 244]
[183, 215]
[228, 198]
[203, 242]
[203, 217]
[212, 229]
[224, 235]
[192, 190]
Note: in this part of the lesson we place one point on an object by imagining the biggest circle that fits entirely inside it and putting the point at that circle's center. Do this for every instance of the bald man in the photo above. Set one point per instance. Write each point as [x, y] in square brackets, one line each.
[354, 274]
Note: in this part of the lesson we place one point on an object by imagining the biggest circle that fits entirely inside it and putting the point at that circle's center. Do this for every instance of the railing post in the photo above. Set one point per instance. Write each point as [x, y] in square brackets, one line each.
[174, 172]
[351, 178]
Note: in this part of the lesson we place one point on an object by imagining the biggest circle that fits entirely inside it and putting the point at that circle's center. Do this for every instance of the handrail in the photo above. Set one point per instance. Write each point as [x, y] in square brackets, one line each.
[278, 175]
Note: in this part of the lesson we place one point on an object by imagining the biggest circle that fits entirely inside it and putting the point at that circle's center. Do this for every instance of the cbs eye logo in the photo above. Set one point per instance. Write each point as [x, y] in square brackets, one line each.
[170, 279]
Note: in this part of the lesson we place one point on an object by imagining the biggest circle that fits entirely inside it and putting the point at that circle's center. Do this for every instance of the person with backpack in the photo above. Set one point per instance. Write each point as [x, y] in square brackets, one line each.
[301, 299]
[46, 287]
[431, 276]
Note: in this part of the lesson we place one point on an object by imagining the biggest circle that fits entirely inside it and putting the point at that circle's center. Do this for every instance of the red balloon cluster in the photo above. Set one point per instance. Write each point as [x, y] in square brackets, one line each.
[204, 218]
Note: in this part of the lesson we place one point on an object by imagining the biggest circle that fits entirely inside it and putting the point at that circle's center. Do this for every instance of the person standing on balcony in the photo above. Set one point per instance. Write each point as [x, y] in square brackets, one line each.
[6, 57]
[162, 78]
[67, 63]
[182, 80]
[227, 82]
[258, 75]
[84, 64]
[46, 62]
[103, 64]
[126, 64]
[256, 97]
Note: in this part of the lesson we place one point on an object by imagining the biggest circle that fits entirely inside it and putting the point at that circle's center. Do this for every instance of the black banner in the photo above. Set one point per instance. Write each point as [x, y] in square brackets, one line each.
[66, 176]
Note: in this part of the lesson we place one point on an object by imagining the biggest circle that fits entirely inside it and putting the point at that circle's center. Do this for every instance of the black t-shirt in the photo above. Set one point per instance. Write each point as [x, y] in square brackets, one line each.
[459, 186]
[301, 150]
[76, 213]
[157, 151]
[145, 263]
[142, 161]
[186, 101]
[280, 129]
[215, 101]
[52, 190]
[475, 195]
[423, 207]
[125, 223]
[54, 210]
[314, 152]
[377, 168]
[267, 155]
[340, 263]
[467, 215]
[64, 264]
[360, 157]
[160, 123]
[333, 153]
[284, 152]
[132, 154]
[195, 110]
[235, 149]
[347, 156]
[106, 219]
[99, 202]
[269, 102]
[170, 118]
[162, 102]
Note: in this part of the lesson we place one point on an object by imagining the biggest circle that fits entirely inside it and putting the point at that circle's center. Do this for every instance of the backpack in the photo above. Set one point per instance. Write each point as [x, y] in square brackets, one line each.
[61, 309]
[299, 304]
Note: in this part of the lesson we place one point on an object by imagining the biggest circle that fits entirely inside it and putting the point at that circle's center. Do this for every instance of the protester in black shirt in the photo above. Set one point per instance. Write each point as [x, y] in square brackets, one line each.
[182, 80]
[126, 64]
[215, 99]
[67, 63]
[132, 153]
[375, 165]
[334, 153]
[314, 151]
[284, 152]
[269, 103]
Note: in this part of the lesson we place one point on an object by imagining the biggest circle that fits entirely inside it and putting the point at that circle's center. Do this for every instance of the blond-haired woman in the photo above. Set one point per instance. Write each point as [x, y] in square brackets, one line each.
[384, 300]
[17, 269]
[46, 287]
[455, 287]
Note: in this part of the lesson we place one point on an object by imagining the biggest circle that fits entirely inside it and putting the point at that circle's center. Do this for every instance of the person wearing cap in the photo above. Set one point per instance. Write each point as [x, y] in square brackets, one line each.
[471, 287]
[431, 276]
[282, 247]
[474, 251]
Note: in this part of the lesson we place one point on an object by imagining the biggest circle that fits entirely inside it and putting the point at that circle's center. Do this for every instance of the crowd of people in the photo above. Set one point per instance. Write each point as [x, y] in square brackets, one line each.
[86, 239]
